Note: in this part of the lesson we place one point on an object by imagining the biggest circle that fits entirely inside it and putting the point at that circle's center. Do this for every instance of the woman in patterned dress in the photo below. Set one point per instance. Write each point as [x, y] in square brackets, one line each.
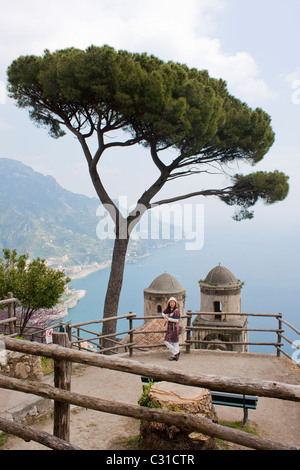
[172, 316]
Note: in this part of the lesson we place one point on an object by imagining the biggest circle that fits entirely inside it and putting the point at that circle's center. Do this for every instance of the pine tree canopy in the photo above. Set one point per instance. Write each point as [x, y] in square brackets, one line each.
[158, 104]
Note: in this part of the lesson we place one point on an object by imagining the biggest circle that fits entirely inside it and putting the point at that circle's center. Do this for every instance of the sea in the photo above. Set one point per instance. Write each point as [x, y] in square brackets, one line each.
[270, 284]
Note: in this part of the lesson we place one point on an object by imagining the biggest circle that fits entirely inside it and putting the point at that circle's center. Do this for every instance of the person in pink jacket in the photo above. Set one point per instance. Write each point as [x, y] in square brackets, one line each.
[172, 316]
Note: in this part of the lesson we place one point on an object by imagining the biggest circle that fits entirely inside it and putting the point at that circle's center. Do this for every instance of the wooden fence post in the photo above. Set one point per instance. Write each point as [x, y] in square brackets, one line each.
[78, 336]
[188, 332]
[10, 314]
[62, 380]
[130, 335]
[69, 331]
[279, 334]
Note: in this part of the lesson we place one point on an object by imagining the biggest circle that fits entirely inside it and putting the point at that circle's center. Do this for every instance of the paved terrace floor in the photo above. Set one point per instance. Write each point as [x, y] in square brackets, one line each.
[276, 419]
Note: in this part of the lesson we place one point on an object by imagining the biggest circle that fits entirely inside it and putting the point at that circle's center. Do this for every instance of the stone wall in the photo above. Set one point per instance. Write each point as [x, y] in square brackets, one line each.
[22, 366]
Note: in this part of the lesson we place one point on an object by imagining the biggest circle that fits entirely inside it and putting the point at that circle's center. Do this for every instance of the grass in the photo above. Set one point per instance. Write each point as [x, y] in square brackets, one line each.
[131, 443]
[47, 365]
[249, 427]
[3, 438]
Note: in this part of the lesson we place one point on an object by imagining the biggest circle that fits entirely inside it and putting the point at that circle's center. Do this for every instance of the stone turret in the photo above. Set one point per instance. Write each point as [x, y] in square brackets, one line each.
[158, 293]
[220, 293]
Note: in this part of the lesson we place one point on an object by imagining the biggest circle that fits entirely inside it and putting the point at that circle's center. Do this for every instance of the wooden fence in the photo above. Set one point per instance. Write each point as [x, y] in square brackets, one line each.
[278, 344]
[11, 324]
[63, 397]
[78, 334]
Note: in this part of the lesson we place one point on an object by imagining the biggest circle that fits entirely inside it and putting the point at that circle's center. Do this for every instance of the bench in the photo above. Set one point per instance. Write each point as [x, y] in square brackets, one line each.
[225, 399]
[246, 402]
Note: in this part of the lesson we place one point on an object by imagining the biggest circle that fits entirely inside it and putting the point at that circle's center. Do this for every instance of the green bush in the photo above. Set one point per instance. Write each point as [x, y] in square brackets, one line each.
[145, 400]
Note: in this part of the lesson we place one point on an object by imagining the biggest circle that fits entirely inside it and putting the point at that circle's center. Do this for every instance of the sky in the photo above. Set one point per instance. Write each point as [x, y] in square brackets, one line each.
[253, 45]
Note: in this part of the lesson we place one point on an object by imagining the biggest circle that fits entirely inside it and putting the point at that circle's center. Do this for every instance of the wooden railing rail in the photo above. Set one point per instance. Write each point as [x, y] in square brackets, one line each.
[10, 300]
[291, 326]
[8, 320]
[30, 434]
[102, 320]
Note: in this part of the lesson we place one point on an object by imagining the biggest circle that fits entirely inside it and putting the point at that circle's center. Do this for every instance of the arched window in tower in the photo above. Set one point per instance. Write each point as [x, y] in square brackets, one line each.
[159, 309]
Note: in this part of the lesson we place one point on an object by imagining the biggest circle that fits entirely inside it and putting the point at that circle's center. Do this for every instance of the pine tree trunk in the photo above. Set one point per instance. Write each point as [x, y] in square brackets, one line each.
[114, 288]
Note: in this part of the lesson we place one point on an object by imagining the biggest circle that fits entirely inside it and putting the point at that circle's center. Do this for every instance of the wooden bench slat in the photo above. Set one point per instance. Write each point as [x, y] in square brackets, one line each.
[234, 399]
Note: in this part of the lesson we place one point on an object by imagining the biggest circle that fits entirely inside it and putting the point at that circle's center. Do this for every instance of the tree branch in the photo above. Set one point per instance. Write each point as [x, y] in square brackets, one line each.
[191, 171]
[160, 165]
[127, 143]
[206, 192]
[92, 128]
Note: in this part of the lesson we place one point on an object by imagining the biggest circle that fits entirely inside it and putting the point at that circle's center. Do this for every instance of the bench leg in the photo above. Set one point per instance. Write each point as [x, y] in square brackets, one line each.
[245, 416]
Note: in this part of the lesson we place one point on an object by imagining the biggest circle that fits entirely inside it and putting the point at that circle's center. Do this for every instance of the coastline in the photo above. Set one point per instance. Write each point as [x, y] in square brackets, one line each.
[73, 297]
[82, 271]
[79, 272]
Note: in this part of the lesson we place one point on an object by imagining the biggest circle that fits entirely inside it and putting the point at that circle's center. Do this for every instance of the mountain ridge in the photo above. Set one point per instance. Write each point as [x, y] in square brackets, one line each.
[40, 217]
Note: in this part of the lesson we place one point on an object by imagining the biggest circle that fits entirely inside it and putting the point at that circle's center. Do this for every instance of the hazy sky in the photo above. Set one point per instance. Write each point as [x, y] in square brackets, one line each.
[253, 45]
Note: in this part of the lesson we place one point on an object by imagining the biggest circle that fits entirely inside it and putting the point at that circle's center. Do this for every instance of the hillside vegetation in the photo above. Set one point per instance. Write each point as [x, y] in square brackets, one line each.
[40, 217]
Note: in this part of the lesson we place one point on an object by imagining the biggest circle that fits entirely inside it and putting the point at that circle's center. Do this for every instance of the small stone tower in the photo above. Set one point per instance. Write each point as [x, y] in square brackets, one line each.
[158, 293]
[221, 292]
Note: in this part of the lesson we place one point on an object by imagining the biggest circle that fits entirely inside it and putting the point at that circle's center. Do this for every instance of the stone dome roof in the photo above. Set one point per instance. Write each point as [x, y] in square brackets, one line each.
[165, 283]
[221, 276]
